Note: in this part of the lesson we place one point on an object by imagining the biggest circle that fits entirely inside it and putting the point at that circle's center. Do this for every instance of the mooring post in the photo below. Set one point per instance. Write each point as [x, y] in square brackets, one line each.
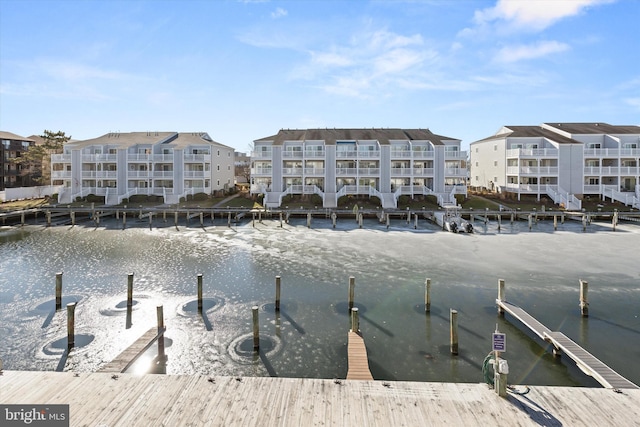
[200, 292]
[486, 215]
[352, 289]
[150, 220]
[48, 214]
[308, 219]
[118, 214]
[58, 291]
[73, 218]
[530, 219]
[256, 328]
[277, 293]
[124, 220]
[562, 218]
[427, 296]
[130, 290]
[499, 218]
[201, 219]
[415, 225]
[164, 216]
[253, 220]
[500, 296]
[281, 219]
[334, 217]
[453, 329]
[355, 320]
[160, 315]
[388, 221]
[614, 219]
[360, 220]
[584, 303]
[584, 222]
[511, 218]
[555, 222]
[22, 218]
[71, 319]
[229, 220]
[175, 218]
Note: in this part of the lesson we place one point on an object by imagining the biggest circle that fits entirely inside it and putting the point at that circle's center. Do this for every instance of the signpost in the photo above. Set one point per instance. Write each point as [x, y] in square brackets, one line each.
[499, 341]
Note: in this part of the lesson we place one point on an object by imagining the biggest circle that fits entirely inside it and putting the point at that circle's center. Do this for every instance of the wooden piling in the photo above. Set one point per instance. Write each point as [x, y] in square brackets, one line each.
[388, 221]
[614, 219]
[229, 220]
[453, 330]
[512, 218]
[530, 219]
[555, 222]
[584, 222]
[200, 292]
[48, 215]
[160, 316]
[499, 219]
[501, 296]
[427, 296]
[281, 220]
[130, 290]
[201, 219]
[71, 319]
[164, 216]
[73, 218]
[355, 320]
[175, 218]
[352, 288]
[415, 224]
[334, 218]
[278, 293]
[256, 328]
[58, 291]
[309, 220]
[124, 220]
[584, 303]
[150, 220]
[486, 215]
[22, 218]
[360, 220]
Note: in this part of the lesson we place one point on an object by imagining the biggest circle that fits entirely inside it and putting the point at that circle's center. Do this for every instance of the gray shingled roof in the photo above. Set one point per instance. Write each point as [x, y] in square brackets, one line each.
[14, 137]
[129, 139]
[330, 136]
[595, 128]
[530, 132]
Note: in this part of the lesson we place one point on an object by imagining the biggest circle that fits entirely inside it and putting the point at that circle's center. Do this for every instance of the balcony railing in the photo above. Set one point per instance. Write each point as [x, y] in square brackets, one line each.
[401, 171]
[199, 158]
[314, 171]
[401, 154]
[292, 171]
[292, 154]
[61, 174]
[602, 170]
[139, 157]
[612, 152]
[368, 171]
[423, 154]
[455, 172]
[533, 152]
[532, 170]
[100, 174]
[61, 158]
[162, 158]
[346, 171]
[423, 171]
[138, 174]
[455, 154]
[261, 171]
[99, 157]
[261, 154]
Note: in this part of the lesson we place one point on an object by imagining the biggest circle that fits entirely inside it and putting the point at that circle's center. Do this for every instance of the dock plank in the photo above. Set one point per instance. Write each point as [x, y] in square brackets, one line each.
[129, 355]
[143, 400]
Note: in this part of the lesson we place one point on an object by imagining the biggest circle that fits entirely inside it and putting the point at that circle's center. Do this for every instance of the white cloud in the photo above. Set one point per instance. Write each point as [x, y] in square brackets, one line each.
[534, 15]
[278, 13]
[532, 51]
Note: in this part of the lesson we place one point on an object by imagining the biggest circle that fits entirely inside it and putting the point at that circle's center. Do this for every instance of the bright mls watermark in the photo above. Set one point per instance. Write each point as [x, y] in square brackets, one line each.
[34, 415]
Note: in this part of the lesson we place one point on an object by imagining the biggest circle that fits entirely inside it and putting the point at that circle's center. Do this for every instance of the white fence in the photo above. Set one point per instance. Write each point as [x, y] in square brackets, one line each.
[21, 193]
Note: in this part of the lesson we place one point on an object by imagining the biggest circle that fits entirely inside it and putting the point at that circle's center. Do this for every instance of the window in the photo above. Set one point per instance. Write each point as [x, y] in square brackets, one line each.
[495, 147]
[218, 153]
[476, 164]
[476, 149]
[495, 163]
[218, 167]
[594, 181]
[495, 179]
[228, 168]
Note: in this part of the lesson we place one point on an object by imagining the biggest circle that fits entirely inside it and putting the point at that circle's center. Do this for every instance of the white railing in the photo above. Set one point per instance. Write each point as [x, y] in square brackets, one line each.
[563, 198]
[314, 171]
[61, 174]
[61, 158]
[346, 154]
[99, 157]
[261, 154]
[423, 154]
[139, 157]
[423, 171]
[533, 152]
[369, 171]
[532, 170]
[200, 158]
[314, 153]
[289, 154]
[187, 174]
[162, 158]
[602, 170]
[401, 171]
[626, 197]
[591, 189]
[368, 154]
[455, 172]
[401, 154]
[455, 154]
[292, 171]
[346, 171]
[261, 171]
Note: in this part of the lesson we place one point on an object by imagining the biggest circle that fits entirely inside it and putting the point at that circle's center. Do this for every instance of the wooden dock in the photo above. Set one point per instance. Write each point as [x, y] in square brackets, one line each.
[587, 362]
[357, 358]
[124, 360]
[100, 399]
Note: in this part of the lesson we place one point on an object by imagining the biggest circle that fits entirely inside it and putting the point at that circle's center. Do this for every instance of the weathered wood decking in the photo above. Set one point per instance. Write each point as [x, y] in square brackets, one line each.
[588, 363]
[100, 399]
[357, 358]
[124, 360]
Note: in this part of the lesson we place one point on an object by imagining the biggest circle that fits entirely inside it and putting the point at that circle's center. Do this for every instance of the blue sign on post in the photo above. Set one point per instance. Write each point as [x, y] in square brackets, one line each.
[499, 342]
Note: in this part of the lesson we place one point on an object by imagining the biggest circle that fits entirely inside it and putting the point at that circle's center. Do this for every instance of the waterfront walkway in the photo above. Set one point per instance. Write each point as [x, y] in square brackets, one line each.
[101, 399]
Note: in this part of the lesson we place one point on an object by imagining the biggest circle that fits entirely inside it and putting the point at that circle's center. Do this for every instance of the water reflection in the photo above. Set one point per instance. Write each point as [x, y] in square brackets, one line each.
[307, 337]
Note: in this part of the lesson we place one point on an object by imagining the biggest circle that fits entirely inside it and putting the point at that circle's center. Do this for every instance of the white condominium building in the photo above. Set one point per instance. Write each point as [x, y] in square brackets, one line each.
[119, 165]
[385, 163]
[562, 160]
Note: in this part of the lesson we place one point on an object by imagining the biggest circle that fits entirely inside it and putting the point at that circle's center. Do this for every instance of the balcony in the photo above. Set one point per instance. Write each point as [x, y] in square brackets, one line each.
[138, 174]
[292, 154]
[344, 154]
[532, 153]
[532, 170]
[462, 155]
[61, 158]
[423, 154]
[401, 154]
[261, 154]
[368, 154]
[314, 154]
[368, 171]
[169, 174]
[261, 171]
[292, 171]
[455, 172]
[197, 158]
[61, 174]
[162, 158]
[602, 170]
[346, 171]
[401, 171]
[611, 152]
[100, 174]
[314, 171]
[423, 171]
[99, 158]
[139, 157]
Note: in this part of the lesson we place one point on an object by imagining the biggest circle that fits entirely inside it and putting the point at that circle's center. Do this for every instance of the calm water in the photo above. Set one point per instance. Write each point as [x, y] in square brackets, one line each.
[308, 338]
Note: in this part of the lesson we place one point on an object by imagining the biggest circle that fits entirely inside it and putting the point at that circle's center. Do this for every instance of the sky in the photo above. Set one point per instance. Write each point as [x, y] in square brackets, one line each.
[242, 70]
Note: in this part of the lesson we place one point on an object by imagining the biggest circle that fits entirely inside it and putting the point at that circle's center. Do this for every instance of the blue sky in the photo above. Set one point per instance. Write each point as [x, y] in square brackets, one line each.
[242, 70]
